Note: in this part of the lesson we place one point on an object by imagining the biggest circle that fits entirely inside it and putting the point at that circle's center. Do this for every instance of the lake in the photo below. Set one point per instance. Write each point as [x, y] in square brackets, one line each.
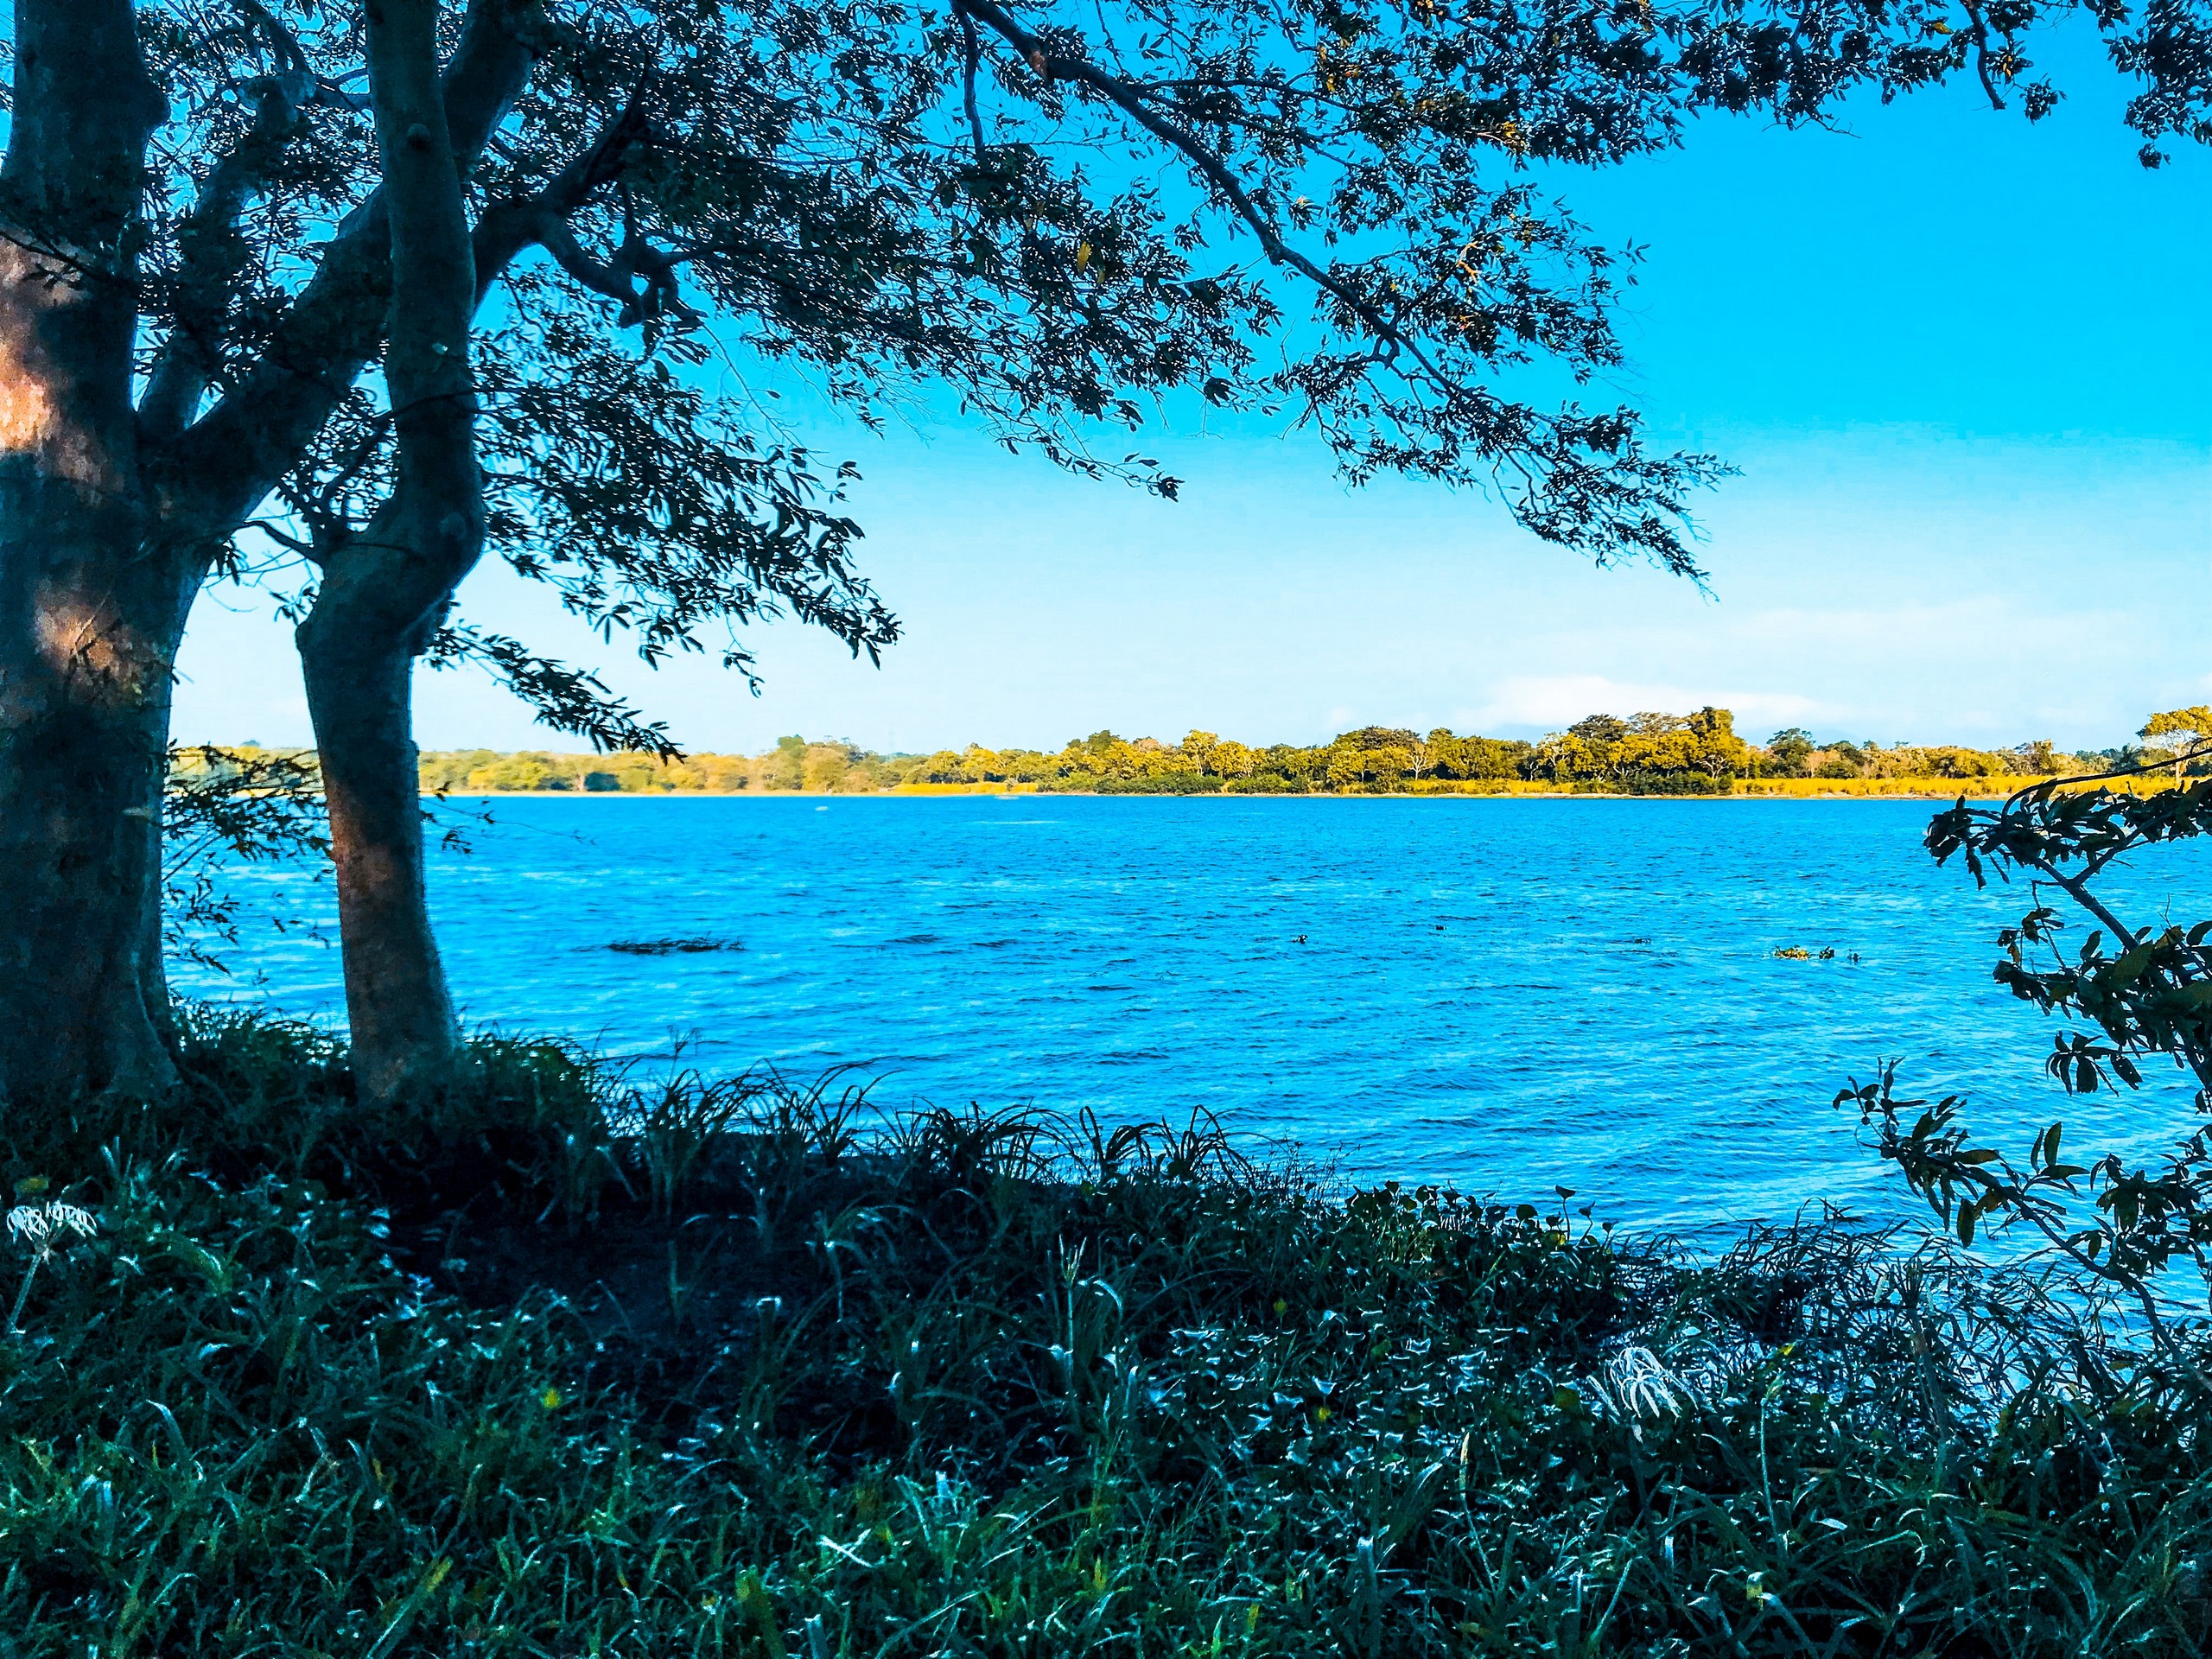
[1497, 995]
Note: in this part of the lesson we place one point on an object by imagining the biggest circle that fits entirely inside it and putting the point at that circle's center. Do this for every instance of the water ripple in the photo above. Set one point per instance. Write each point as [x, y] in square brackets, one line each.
[1499, 994]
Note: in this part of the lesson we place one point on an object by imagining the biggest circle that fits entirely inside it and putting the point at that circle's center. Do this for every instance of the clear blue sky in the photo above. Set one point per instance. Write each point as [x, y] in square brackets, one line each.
[1962, 362]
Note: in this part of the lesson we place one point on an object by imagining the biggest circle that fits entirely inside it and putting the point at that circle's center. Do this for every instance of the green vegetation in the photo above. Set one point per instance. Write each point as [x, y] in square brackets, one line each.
[1648, 754]
[344, 300]
[553, 1367]
[2135, 993]
[550, 1362]
[246, 805]
[793, 764]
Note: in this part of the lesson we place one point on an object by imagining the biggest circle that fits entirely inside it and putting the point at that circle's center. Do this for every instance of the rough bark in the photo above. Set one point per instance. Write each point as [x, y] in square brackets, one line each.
[92, 597]
[359, 695]
[385, 591]
[86, 640]
[106, 518]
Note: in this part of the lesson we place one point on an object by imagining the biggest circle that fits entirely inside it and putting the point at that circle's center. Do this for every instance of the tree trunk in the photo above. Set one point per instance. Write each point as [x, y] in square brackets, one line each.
[360, 673]
[385, 589]
[86, 640]
[92, 597]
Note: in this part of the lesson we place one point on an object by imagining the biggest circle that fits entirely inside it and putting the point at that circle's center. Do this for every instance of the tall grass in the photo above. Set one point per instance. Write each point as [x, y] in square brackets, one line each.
[1992, 786]
[559, 1368]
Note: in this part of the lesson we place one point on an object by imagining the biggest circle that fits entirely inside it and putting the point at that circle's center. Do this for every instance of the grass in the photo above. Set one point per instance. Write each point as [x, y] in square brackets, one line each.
[1935, 789]
[566, 1368]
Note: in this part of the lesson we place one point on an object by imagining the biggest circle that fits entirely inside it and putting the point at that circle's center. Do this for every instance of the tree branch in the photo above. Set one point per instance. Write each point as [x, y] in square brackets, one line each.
[2077, 889]
[288, 49]
[211, 258]
[550, 230]
[971, 52]
[236, 453]
[83, 110]
[1131, 101]
[567, 699]
[1980, 31]
[541, 220]
[434, 521]
[329, 527]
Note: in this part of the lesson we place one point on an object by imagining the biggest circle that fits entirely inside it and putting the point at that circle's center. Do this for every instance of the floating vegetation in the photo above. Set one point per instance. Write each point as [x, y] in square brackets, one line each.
[673, 947]
[1799, 953]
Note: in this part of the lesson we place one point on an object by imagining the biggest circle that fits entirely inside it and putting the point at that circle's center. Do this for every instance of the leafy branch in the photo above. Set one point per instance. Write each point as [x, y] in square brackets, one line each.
[2144, 1222]
[231, 804]
[2155, 996]
[2152, 996]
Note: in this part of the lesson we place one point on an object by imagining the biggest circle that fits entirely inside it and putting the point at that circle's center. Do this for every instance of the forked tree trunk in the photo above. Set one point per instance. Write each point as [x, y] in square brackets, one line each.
[92, 598]
[385, 590]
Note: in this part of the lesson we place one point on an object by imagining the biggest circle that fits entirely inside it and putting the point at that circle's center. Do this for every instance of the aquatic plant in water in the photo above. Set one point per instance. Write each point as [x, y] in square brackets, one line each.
[672, 947]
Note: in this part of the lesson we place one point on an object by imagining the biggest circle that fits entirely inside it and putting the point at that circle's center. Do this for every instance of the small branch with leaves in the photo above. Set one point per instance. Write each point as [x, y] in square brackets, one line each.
[2152, 996]
[2145, 1222]
[222, 808]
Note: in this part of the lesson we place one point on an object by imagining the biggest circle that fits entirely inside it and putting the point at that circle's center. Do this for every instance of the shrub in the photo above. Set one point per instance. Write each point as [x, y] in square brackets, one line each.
[559, 1364]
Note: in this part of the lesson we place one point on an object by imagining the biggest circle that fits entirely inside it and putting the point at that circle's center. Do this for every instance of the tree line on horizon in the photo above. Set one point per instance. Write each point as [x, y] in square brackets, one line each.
[1649, 754]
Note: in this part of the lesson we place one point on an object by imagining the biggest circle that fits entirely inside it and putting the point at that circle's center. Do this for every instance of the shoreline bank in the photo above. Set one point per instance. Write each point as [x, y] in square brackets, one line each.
[1936, 789]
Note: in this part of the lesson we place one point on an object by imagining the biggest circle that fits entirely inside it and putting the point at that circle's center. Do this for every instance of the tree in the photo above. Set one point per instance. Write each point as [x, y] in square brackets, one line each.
[1462, 758]
[1719, 753]
[392, 330]
[786, 767]
[1653, 752]
[2185, 729]
[824, 766]
[385, 587]
[1199, 748]
[1789, 749]
[88, 630]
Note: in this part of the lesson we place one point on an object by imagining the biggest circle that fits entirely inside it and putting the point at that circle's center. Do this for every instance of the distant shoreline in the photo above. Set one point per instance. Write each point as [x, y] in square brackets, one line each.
[1650, 754]
[1935, 790]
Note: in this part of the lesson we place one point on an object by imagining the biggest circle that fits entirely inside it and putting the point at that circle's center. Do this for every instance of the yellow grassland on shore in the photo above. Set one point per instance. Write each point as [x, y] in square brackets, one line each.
[669, 781]
[1989, 788]
[1796, 789]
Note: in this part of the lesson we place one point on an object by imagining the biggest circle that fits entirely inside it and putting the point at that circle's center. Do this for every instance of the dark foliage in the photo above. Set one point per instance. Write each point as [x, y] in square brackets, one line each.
[561, 1364]
[1061, 217]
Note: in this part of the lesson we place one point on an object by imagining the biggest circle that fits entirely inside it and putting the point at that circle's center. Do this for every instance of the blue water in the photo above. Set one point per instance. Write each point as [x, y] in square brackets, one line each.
[1497, 995]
